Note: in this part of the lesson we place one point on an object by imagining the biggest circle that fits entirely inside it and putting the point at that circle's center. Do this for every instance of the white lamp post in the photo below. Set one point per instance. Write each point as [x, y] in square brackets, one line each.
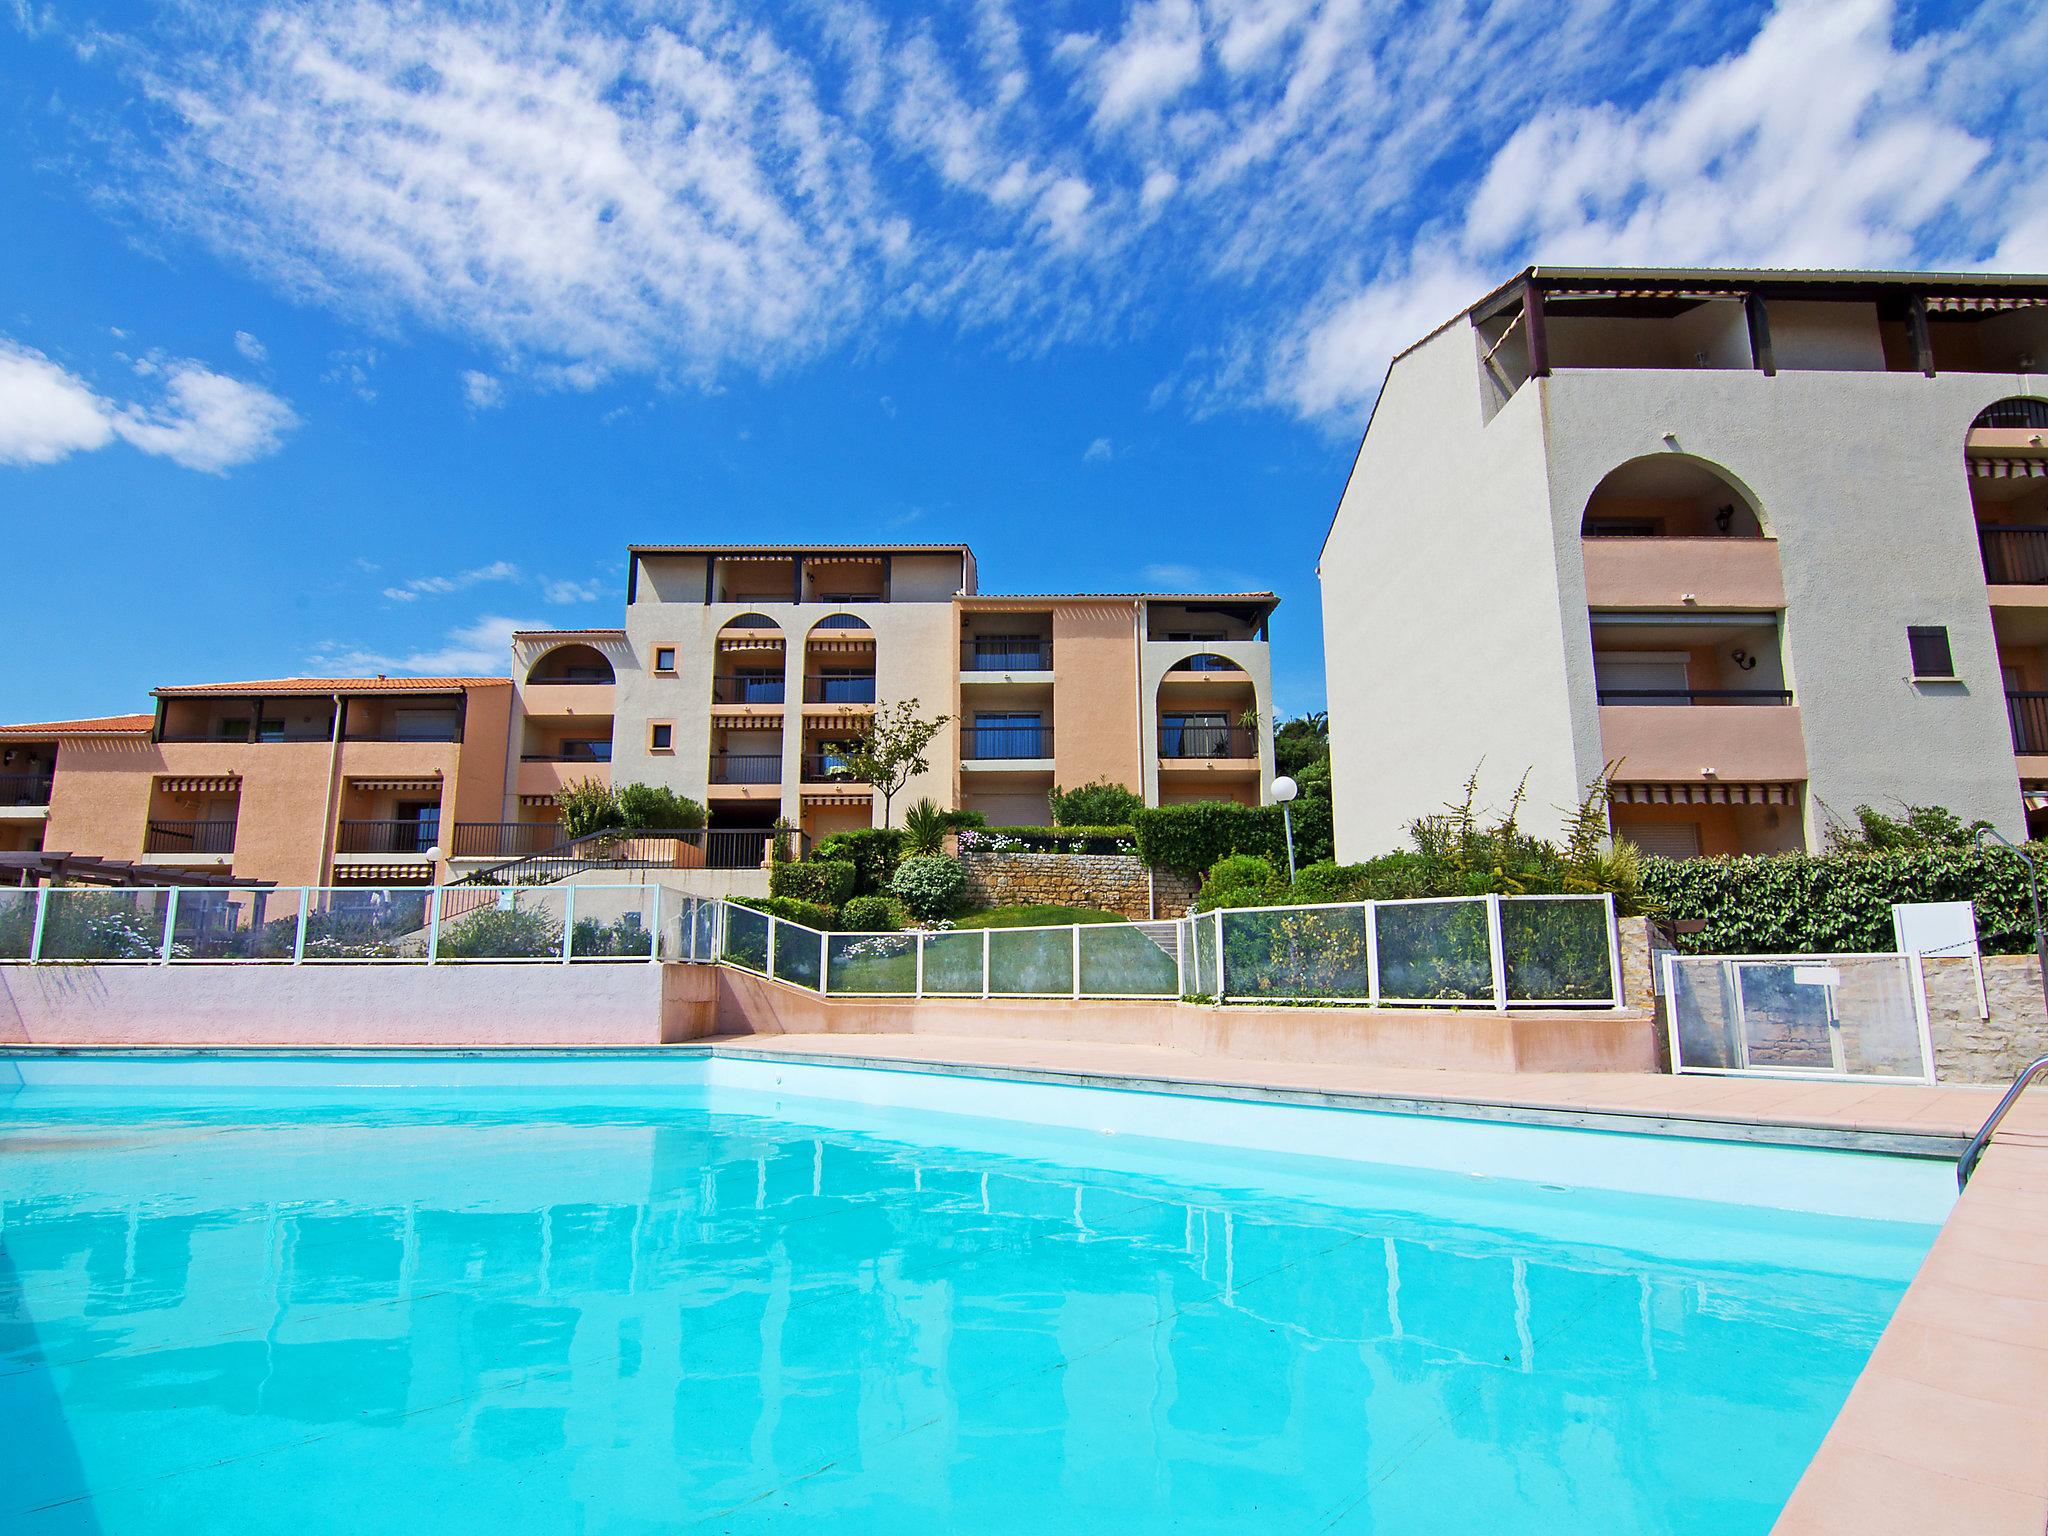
[1284, 790]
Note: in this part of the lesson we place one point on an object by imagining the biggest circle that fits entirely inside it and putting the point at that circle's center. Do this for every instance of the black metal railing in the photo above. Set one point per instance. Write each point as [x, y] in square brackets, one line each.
[1178, 743]
[436, 735]
[828, 768]
[746, 690]
[1213, 665]
[2016, 555]
[846, 689]
[584, 752]
[24, 789]
[581, 679]
[999, 743]
[2014, 413]
[1000, 655]
[323, 731]
[1682, 696]
[189, 837]
[2029, 715]
[386, 836]
[747, 768]
[502, 839]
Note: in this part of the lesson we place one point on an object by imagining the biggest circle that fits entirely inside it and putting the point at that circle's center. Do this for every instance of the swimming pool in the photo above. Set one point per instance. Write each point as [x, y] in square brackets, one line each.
[623, 1293]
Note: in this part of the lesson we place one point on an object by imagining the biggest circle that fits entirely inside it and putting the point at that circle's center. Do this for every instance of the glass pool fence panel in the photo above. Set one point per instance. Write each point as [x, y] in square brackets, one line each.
[1559, 949]
[1859, 1016]
[1434, 951]
[873, 964]
[366, 923]
[746, 938]
[1031, 962]
[81, 923]
[210, 923]
[18, 922]
[614, 922]
[953, 963]
[502, 923]
[1204, 944]
[1311, 954]
[797, 954]
[1130, 959]
[689, 927]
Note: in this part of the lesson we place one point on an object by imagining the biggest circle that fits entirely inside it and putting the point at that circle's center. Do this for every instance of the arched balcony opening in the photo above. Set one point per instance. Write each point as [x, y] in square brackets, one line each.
[572, 664]
[839, 661]
[1669, 530]
[2008, 468]
[1209, 730]
[749, 666]
[1671, 496]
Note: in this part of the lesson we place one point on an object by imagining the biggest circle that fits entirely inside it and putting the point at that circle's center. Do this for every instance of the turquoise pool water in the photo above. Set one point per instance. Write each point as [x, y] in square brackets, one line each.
[239, 1306]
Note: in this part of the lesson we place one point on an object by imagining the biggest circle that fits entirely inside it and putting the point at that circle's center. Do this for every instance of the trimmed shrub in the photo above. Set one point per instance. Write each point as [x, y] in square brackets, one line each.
[658, 808]
[791, 910]
[1191, 838]
[1797, 903]
[930, 887]
[872, 914]
[824, 882]
[1102, 803]
[1395, 876]
[874, 853]
[1241, 880]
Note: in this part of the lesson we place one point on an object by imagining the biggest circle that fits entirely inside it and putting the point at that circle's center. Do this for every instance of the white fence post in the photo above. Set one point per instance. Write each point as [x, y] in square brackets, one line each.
[1498, 953]
[35, 938]
[1077, 960]
[170, 925]
[299, 938]
[1372, 954]
[772, 925]
[434, 926]
[568, 922]
[919, 937]
[1221, 972]
[654, 925]
[1180, 957]
[984, 960]
[824, 965]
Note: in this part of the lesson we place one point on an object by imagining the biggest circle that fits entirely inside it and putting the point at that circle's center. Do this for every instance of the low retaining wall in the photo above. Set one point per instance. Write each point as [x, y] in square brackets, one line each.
[1114, 882]
[356, 1005]
[1971, 1049]
[1473, 1040]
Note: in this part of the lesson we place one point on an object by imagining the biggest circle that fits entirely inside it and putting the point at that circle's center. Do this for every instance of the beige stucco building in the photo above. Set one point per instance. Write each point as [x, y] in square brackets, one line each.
[1774, 545]
[737, 679]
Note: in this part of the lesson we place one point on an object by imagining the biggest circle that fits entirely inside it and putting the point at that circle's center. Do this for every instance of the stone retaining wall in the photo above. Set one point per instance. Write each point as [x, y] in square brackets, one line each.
[1114, 882]
[1970, 1049]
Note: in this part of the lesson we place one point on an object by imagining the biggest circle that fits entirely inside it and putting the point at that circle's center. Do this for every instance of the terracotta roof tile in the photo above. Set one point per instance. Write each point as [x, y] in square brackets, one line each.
[274, 685]
[98, 725]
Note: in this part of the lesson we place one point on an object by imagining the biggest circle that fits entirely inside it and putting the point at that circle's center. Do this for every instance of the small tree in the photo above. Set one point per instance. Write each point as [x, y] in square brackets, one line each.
[892, 752]
[588, 806]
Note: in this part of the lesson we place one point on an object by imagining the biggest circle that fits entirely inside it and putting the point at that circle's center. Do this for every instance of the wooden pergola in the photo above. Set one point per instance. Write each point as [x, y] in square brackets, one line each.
[91, 869]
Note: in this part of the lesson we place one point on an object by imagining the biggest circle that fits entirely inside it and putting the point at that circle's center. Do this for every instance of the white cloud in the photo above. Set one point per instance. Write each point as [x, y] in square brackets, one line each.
[351, 369]
[46, 413]
[251, 348]
[439, 586]
[1172, 578]
[482, 391]
[204, 420]
[1101, 451]
[1158, 56]
[572, 591]
[482, 648]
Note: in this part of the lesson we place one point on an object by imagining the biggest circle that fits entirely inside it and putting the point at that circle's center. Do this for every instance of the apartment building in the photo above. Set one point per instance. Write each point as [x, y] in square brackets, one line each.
[742, 669]
[1775, 544]
[738, 678]
[313, 781]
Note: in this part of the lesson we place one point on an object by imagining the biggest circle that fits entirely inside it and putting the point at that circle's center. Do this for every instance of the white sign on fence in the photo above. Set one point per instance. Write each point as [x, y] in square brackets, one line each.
[1942, 929]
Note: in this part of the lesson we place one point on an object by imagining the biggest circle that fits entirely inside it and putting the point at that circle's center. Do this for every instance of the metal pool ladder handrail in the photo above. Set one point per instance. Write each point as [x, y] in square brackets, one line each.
[1967, 1163]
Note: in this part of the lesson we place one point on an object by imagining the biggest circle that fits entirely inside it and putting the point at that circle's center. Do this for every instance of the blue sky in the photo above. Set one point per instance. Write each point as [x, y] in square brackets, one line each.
[349, 335]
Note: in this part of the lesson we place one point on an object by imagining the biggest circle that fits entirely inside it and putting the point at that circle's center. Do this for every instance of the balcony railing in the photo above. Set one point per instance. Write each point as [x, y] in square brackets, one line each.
[189, 837]
[2014, 413]
[588, 677]
[1684, 696]
[322, 732]
[1179, 743]
[1000, 743]
[746, 690]
[24, 789]
[747, 768]
[503, 839]
[828, 768]
[594, 752]
[2016, 555]
[408, 837]
[2029, 715]
[840, 690]
[1006, 656]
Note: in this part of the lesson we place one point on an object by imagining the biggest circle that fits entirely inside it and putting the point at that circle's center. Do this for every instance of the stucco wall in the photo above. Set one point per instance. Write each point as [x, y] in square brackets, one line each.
[1443, 638]
[1096, 721]
[354, 1005]
[1117, 883]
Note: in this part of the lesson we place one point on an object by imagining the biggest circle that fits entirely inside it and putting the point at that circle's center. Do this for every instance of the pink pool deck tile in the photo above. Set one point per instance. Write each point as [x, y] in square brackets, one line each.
[1946, 1431]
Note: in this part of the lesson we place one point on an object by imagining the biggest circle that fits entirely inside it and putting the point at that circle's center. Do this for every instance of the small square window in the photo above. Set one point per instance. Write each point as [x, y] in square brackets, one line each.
[661, 736]
[664, 658]
[1928, 644]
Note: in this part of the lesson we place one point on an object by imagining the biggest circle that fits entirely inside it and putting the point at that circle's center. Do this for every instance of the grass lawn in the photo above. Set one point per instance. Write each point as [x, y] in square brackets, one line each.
[1035, 917]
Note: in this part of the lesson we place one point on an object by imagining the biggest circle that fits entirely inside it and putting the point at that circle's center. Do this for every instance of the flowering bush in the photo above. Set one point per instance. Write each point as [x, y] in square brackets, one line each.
[930, 886]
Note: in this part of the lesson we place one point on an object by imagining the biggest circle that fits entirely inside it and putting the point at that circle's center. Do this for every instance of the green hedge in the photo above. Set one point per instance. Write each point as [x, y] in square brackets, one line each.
[828, 882]
[874, 853]
[1079, 839]
[1796, 903]
[790, 909]
[1191, 838]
